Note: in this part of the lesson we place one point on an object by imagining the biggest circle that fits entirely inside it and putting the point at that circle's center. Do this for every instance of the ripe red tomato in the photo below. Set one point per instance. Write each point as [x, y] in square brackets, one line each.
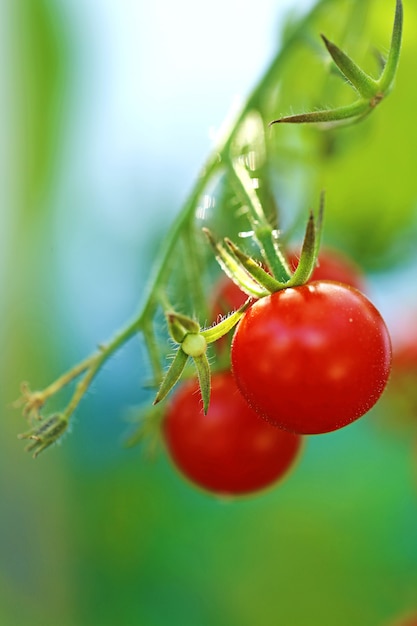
[312, 359]
[231, 450]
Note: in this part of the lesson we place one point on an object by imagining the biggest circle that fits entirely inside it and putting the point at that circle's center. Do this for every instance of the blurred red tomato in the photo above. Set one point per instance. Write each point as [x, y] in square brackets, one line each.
[230, 450]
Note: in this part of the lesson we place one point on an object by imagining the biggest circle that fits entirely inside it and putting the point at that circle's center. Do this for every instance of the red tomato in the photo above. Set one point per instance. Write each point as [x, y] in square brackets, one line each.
[312, 359]
[231, 450]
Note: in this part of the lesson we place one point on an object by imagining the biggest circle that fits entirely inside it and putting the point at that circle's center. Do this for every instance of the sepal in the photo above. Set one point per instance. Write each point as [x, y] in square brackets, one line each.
[234, 269]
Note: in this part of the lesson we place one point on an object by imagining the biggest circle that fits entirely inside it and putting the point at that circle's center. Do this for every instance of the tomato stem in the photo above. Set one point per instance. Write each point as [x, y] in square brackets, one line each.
[263, 231]
[221, 160]
[388, 75]
[372, 91]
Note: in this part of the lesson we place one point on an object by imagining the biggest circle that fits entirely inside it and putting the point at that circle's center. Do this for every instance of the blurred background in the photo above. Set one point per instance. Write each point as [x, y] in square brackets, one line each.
[108, 113]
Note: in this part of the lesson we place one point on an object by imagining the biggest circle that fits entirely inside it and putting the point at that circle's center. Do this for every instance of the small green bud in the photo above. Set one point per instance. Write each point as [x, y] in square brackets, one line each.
[194, 345]
[46, 433]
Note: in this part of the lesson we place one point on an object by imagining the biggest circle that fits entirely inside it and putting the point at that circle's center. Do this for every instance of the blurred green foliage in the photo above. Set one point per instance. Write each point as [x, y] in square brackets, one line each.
[94, 535]
[366, 169]
[40, 77]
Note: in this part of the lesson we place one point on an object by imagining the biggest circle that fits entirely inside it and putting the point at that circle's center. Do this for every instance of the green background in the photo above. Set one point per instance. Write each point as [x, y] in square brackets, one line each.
[92, 534]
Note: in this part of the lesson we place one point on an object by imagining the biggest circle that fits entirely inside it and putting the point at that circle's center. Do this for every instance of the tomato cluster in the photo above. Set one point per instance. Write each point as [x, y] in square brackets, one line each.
[308, 360]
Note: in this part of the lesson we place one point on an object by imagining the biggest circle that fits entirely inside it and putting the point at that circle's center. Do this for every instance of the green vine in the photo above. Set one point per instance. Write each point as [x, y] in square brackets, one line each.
[232, 160]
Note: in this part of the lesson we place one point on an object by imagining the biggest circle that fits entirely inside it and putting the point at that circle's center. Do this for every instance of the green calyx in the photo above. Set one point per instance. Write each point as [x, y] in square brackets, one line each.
[180, 325]
[253, 278]
[193, 343]
[371, 91]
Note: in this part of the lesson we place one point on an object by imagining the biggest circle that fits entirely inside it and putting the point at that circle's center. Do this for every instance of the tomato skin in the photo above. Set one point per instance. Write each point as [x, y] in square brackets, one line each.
[231, 450]
[312, 359]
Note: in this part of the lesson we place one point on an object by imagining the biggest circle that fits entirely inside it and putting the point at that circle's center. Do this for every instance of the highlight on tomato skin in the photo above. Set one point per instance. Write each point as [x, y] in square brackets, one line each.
[230, 451]
[312, 359]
